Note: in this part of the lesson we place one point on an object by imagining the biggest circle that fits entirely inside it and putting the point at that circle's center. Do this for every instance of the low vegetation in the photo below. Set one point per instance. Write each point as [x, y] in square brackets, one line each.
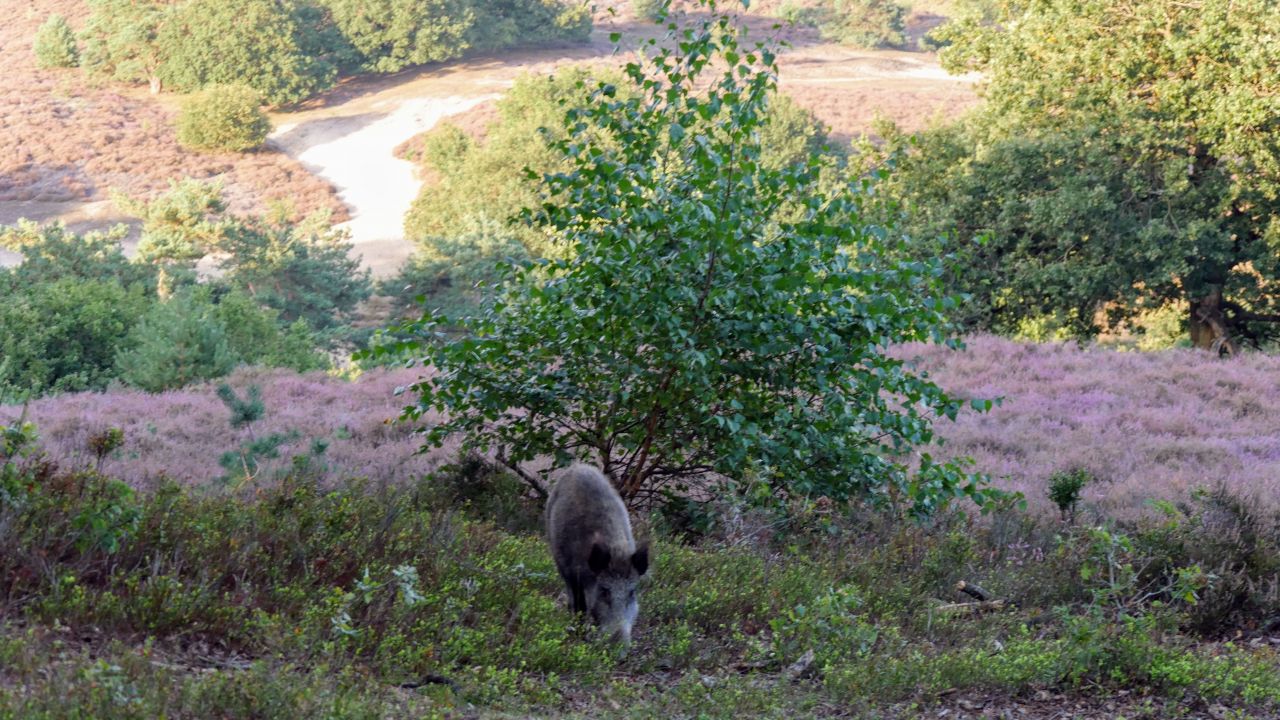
[287, 599]
[754, 337]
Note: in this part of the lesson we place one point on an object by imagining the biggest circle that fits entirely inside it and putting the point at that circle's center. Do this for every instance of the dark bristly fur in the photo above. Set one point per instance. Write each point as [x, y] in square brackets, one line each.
[591, 541]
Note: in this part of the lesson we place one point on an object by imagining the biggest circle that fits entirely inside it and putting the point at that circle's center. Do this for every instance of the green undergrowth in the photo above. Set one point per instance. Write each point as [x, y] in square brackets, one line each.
[440, 600]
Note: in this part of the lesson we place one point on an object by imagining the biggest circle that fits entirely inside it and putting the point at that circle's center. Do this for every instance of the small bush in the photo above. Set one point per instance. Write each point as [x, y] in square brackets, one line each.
[1064, 491]
[223, 118]
[55, 44]
[863, 23]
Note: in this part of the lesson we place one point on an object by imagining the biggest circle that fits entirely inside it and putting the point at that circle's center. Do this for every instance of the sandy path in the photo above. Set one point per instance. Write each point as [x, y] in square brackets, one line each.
[350, 141]
[355, 152]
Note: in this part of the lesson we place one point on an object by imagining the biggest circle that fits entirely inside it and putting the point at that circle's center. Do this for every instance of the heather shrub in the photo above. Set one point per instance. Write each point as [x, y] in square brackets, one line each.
[862, 23]
[1232, 540]
[55, 44]
[225, 118]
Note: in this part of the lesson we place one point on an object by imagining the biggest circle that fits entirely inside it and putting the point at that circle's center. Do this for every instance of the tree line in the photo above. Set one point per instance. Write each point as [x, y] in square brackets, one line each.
[289, 50]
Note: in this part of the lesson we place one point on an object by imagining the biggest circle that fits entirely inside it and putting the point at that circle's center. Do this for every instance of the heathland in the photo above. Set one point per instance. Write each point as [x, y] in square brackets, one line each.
[932, 349]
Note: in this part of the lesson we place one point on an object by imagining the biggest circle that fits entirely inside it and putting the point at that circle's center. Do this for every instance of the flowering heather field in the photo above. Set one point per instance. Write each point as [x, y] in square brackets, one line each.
[66, 139]
[181, 434]
[1146, 426]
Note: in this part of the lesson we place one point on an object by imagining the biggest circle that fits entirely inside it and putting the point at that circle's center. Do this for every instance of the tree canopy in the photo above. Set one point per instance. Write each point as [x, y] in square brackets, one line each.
[259, 43]
[1127, 157]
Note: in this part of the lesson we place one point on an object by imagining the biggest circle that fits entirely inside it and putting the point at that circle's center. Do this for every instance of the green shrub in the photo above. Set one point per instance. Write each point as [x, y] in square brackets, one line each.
[482, 184]
[256, 335]
[120, 40]
[51, 253]
[521, 23]
[455, 273]
[390, 35]
[1064, 491]
[791, 134]
[199, 335]
[863, 23]
[258, 43]
[642, 318]
[55, 44]
[460, 221]
[305, 271]
[62, 336]
[223, 118]
[179, 341]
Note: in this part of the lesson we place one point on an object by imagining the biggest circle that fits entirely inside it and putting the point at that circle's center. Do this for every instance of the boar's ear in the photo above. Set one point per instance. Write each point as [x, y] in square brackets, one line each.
[599, 559]
[640, 560]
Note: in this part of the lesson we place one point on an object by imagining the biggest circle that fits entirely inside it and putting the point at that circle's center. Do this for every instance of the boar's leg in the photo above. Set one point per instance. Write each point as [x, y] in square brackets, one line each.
[579, 594]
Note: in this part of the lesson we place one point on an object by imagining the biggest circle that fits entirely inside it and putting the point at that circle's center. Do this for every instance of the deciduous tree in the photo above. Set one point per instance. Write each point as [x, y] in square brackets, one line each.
[710, 316]
[1127, 157]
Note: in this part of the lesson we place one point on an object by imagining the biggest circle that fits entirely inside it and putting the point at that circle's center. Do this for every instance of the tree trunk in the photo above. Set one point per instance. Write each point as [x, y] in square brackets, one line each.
[1208, 325]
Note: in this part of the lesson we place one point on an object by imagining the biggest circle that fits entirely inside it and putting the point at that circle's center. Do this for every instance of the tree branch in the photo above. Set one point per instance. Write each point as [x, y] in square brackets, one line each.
[531, 480]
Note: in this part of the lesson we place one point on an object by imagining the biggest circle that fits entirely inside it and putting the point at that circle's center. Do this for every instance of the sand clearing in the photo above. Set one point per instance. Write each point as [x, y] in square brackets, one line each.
[356, 154]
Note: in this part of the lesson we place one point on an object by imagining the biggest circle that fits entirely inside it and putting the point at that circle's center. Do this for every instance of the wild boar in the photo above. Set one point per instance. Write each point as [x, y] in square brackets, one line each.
[590, 536]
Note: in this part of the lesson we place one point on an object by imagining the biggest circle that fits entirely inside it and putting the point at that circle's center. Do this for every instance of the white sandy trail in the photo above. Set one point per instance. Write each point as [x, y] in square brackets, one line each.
[356, 154]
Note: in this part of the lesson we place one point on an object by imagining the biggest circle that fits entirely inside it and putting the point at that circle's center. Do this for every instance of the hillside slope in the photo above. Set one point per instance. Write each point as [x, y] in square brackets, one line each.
[66, 142]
